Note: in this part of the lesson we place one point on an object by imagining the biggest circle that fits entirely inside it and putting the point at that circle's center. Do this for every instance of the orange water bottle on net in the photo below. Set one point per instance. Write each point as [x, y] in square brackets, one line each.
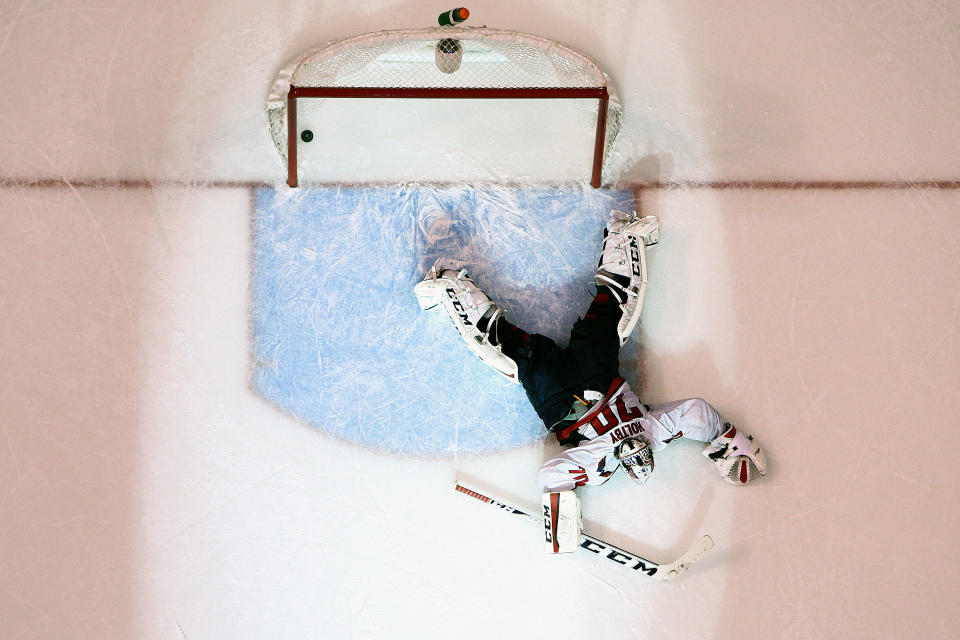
[453, 17]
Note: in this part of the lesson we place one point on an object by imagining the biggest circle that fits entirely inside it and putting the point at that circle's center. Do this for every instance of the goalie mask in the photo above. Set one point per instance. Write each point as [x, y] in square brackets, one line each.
[636, 457]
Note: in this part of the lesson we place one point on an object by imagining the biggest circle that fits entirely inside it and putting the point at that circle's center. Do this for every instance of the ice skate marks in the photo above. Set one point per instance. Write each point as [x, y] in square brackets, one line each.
[339, 342]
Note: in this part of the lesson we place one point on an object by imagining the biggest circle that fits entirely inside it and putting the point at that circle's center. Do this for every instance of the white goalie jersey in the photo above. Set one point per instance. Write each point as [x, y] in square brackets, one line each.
[621, 415]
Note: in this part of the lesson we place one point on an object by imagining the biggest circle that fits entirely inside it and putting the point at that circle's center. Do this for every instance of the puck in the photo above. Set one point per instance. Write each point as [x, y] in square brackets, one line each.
[307, 135]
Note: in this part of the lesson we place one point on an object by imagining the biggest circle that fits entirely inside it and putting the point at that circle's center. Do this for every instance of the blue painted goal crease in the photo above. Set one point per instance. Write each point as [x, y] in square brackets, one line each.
[340, 342]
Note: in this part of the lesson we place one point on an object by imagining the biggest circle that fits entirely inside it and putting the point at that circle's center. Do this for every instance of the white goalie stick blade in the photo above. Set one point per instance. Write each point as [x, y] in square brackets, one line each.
[664, 572]
[667, 572]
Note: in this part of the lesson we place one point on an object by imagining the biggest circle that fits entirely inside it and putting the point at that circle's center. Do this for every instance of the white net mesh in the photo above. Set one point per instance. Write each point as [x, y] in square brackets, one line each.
[479, 58]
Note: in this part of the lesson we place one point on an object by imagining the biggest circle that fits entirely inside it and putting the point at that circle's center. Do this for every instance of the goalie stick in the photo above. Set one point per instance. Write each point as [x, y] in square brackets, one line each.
[665, 572]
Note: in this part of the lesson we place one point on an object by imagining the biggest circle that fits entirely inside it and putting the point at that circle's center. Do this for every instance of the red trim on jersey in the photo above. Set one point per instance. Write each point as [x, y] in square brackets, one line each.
[581, 476]
[554, 516]
[565, 434]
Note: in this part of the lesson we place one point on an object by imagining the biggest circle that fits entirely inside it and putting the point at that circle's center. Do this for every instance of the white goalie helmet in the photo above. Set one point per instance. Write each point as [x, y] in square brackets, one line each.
[636, 457]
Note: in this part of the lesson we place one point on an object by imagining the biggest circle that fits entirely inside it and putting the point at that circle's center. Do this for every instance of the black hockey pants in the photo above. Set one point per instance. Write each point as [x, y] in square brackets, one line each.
[551, 375]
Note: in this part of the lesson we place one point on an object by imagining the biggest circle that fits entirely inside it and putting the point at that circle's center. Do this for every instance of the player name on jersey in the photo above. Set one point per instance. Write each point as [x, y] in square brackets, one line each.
[619, 407]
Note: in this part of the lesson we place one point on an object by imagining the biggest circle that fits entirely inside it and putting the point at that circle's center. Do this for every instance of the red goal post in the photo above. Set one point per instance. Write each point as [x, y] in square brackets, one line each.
[441, 63]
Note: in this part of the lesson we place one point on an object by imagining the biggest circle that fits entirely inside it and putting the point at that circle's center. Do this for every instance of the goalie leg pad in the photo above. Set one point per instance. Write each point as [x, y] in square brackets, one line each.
[474, 315]
[562, 521]
[623, 264]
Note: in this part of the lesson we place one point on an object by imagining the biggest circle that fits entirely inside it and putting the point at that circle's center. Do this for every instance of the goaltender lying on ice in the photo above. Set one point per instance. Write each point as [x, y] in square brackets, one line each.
[578, 391]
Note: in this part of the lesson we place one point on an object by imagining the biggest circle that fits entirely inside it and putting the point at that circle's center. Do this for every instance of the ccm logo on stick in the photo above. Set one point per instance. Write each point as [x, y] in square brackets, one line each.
[616, 556]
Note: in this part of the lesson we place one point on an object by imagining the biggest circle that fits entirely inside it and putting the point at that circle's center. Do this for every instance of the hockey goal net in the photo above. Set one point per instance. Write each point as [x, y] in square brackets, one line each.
[480, 66]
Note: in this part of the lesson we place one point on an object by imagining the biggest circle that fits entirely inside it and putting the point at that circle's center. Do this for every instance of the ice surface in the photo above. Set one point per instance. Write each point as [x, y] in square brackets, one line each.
[341, 342]
[147, 490]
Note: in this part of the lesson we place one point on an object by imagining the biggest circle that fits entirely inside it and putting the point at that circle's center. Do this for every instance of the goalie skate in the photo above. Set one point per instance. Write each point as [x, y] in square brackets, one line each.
[623, 264]
[448, 284]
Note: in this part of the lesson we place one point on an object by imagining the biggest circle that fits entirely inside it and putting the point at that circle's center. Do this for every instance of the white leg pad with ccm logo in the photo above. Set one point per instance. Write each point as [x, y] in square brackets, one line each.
[562, 521]
[449, 286]
[623, 264]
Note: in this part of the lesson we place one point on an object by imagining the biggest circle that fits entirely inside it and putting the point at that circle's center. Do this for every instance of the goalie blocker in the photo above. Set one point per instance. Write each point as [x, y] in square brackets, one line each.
[562, 521]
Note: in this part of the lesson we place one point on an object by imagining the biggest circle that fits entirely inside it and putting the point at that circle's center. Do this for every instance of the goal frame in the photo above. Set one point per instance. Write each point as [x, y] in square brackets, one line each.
[472, 93]
[497, 64]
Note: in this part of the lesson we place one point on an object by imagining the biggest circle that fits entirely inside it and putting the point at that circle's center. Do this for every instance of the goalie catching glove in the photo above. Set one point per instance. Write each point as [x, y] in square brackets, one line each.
[738, 458]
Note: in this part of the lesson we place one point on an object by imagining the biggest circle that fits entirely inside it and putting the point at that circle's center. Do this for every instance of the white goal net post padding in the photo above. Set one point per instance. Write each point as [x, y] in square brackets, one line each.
[473, 63]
